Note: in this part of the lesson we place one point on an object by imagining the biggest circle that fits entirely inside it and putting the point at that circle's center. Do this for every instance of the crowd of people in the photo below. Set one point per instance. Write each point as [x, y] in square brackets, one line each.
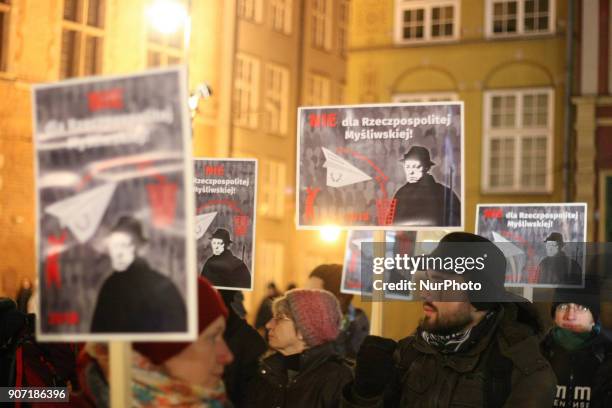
[315, 351]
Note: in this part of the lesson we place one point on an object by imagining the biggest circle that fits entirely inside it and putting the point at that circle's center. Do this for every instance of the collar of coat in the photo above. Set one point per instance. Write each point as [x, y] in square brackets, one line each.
[310, 359]
[517, 330]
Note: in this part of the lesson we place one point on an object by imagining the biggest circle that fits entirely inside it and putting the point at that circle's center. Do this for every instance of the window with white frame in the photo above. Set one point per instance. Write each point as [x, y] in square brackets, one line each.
[165, 49]
[82, 38]
[251, 10]
[246, 91]
[280, 15]
[343, 20]
[276, 98]
[272, 188]
[322, 24]
[519, 17]
[5, 9]
[425, 97]
[420, 21]
[518, 139]
[318, 90]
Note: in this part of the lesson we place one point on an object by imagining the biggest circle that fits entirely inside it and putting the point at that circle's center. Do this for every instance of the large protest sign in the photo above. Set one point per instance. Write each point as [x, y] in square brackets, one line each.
[543, 243]
[357, 274]
[374, 167]
[226, 195]
[115, 242]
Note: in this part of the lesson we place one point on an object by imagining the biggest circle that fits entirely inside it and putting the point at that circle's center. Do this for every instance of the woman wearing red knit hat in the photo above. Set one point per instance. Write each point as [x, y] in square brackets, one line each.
[304, 369]
[168, 374]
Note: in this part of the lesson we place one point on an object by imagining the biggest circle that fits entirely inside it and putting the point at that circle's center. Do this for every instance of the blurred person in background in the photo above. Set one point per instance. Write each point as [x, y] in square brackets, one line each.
[186, 374]
[303, 369]
[264, 312]
[578, 350]
[246, 345]
[24, 295]
[355, 325]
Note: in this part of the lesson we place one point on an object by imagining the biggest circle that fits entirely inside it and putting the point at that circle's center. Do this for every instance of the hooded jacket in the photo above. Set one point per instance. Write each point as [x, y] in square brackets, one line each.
[317, 384]
[503, 368]
[584, 376]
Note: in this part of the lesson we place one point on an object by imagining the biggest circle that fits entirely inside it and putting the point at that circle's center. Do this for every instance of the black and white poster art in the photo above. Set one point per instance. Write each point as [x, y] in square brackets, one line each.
[115, 247]
[357, 274]
[226, 195]
[377, 167]
[544, 244]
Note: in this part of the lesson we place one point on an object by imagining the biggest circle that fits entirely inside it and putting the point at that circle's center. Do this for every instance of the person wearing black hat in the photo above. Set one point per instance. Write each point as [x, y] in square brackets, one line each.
[223, 269]
[422, 201]
[470, 349]
[556, 267]
[578, 350]
[135, 298]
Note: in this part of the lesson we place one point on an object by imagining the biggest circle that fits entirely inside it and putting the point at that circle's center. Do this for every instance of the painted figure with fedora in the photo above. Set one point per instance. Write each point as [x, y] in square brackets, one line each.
[422, 201]
[135, 298]
[556, 267]
[223, 269]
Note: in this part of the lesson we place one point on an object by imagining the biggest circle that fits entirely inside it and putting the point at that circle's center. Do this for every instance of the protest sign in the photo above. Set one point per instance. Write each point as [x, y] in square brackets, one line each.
[226, 195]
[381, 167]
[115, 247]
[357, 273]
[543, 243]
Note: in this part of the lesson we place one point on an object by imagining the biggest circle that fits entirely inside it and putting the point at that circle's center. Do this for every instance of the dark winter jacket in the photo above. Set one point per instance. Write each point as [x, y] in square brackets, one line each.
[584, 376]
[317, 384]
[247, 346]
[504, 368]
[227, 271]
[139, 300]
[426, 202]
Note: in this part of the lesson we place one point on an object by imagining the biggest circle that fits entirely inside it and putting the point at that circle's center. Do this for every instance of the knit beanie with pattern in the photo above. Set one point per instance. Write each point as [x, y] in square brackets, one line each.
[316, 314]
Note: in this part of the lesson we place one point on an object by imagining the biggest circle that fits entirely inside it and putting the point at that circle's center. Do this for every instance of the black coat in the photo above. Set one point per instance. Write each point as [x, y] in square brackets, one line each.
[226, 270]
[559, 269]
[317, 384]
[583, 375]
[426, 203]
[139, 300]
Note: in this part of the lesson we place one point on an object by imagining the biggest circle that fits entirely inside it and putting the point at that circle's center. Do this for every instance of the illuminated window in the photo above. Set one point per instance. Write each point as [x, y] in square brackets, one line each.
[420, 21]
[271, 265]
[246, 91]
[322, 24]
[272, 189]
[82, 38]
[318, 90]
[343, 20]
[518, 137]
[250, 10]
[276, 98]
[519, 17]
[280, 15]
[165, 49]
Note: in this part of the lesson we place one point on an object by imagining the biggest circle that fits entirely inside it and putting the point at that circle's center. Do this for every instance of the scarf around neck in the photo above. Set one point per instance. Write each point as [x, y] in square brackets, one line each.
[569, 340]
[461, 340]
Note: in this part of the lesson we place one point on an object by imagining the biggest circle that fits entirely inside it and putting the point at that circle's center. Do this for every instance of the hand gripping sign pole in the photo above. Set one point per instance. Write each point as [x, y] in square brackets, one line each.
[378, 296]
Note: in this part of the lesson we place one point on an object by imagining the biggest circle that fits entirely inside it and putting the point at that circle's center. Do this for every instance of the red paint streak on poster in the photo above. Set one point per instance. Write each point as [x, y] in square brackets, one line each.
[56, 318]
[109, 99]
[241, 224]
[52, 267]
[311, 196]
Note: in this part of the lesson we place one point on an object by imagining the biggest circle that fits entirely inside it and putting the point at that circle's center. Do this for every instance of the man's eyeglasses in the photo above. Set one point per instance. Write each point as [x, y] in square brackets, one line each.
[564, 307]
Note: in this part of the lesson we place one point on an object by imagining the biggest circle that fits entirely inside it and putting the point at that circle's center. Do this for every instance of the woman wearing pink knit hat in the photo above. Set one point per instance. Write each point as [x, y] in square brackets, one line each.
[304, 369]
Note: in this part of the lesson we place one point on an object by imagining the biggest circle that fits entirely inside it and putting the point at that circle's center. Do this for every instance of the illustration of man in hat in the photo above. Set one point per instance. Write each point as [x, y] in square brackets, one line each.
[556, 267]
[135, 298]
[422, 201]
[223, 269]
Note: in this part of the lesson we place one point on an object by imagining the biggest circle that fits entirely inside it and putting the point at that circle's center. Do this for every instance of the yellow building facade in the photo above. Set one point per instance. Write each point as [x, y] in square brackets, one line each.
[261, 59]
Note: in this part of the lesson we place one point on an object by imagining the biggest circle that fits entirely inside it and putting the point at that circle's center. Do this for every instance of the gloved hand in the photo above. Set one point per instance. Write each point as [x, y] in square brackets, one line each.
[375, 366]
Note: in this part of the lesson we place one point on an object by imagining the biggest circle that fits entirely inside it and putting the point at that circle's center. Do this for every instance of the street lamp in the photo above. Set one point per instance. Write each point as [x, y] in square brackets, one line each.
[168, 16]
[330, 233]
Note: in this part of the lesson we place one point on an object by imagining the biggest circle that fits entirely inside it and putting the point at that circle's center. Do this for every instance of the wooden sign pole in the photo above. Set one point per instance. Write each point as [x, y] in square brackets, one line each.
[120, 374]
[378, 296]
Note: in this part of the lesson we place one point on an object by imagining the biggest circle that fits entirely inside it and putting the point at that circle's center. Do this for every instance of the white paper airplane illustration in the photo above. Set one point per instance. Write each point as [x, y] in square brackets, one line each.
[507, 247]
[203, 221]
[340, 172]
[83, 212]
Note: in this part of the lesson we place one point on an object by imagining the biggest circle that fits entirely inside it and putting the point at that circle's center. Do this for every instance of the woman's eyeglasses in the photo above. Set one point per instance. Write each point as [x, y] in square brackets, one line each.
[564, 307]
[279, 318]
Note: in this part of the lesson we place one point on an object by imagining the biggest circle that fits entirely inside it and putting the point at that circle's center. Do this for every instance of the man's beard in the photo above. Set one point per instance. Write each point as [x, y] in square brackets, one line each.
[445, 325]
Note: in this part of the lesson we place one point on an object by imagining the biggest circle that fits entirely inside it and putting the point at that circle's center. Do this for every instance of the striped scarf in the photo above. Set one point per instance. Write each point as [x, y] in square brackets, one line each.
[461, 340]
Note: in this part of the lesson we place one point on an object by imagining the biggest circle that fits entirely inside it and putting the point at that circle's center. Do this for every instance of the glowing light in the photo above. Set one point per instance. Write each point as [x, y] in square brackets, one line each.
[167, 16]
[330, 233]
